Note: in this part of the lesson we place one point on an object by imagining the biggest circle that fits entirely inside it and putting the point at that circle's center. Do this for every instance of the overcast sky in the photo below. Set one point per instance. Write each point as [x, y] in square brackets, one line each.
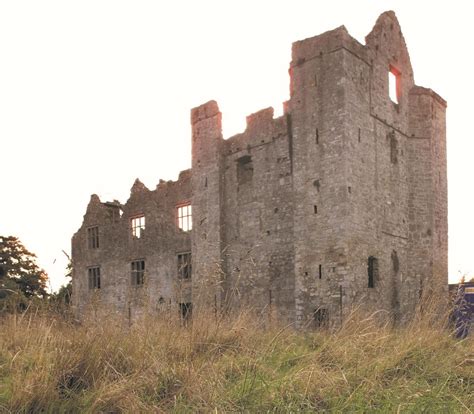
[96, 93]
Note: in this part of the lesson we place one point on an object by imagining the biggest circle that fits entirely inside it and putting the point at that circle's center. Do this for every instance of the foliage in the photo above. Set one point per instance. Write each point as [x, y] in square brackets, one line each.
[63, 295]
[19, 272]
[239, 364]
[62, 298]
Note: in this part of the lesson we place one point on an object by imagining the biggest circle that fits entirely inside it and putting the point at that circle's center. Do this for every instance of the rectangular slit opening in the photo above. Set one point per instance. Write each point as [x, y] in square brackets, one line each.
[394, 86]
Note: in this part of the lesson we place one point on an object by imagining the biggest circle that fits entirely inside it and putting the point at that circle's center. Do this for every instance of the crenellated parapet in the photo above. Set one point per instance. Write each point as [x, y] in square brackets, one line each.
[261, 129]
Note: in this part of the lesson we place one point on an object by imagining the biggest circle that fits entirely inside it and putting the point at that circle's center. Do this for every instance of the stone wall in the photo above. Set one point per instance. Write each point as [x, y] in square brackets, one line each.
[339, 203]
[158, 246]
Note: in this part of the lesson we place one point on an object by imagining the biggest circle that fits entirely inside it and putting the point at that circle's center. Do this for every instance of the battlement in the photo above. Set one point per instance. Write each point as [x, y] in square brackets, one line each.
[261, 129]
[204, 111]
[328, 42]
[259, 120]
[419, 90]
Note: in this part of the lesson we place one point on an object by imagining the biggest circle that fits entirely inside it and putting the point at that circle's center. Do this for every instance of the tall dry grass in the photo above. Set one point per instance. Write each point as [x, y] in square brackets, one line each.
[50, 364]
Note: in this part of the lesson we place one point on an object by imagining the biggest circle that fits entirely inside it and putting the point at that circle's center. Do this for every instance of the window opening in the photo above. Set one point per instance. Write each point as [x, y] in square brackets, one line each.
[321, 318]
[185, 311]
[394, 86]
[94, 277]
[395, 261]
[317, 184]
[184, 266]
[315, 209]
[372, 271]
[185, 220]
[138, 226]
[138, 272]
[393, 147]
[93, 237]
[320, 271]
[244, 169]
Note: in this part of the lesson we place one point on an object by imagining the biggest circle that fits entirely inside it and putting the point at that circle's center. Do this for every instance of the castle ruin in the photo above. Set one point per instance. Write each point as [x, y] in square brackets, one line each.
[342, 201]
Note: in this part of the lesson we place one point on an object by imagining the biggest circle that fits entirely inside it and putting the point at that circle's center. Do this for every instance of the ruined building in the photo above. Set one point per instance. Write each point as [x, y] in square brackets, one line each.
[339, 202]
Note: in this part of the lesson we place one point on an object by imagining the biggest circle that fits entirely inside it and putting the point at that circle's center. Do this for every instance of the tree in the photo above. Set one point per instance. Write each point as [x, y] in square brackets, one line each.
[19, 271]
[63, 295]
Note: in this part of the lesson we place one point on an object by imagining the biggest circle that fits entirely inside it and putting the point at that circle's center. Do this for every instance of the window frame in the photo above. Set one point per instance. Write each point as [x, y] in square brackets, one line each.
[93, 237]
[137, 231]
[181, 219]
[184, 268]
[94, 277]
[137, 272]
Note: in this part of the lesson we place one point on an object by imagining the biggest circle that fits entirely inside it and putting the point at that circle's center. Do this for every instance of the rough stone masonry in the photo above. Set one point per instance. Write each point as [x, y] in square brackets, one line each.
[340, 202]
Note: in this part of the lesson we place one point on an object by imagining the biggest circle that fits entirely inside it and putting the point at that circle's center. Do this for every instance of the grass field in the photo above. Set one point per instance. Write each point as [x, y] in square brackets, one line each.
[48, 364]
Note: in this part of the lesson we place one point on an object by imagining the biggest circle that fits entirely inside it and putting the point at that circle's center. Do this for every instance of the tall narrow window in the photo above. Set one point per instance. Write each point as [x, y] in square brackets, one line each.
[185, 311]
[321, 318]
[138, 272]
[184, 216]
[184, 266]
[244, 169]
[138, 226]
[372, 271]
[93, 237]
[394, 85]
[94, 277]
[393, 147]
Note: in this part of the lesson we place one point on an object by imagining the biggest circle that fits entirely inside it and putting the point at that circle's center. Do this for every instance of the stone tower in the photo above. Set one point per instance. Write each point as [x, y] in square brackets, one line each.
[375, 170]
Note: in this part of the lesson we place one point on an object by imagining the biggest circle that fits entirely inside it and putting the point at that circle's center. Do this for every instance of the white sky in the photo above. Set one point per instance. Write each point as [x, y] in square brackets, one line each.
[96, 93]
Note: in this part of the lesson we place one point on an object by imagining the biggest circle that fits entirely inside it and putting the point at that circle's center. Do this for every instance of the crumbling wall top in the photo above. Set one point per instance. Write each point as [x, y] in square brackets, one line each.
[94, 203]
[419, 90]
[138, 187]
[326, 42]
[206, 110]
[260, 119]
[386, 41]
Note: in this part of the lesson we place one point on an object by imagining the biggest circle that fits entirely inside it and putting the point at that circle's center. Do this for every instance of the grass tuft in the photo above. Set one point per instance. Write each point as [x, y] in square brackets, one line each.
[51, 364]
